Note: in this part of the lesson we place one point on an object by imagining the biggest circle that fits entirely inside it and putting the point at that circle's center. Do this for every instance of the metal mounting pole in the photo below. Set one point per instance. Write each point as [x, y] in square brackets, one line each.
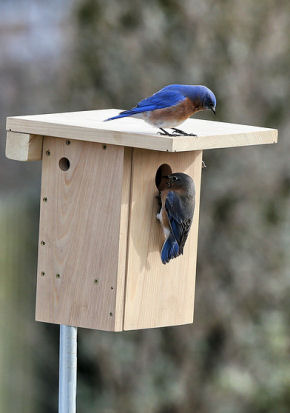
[67, 369]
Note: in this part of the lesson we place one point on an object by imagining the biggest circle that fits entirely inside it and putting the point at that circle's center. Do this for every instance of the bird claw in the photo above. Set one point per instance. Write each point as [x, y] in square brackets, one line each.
[158, 198]
[179, 132]
[165, 133]
[188, 134]
[176, 132]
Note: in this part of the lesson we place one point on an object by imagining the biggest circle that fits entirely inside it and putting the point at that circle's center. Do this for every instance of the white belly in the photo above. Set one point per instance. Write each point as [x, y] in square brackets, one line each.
[166, 231]
[157, 123]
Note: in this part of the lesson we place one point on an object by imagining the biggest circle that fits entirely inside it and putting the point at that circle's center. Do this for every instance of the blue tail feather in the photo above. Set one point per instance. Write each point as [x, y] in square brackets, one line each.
[169, 250]
[131, 112]
[121, 115]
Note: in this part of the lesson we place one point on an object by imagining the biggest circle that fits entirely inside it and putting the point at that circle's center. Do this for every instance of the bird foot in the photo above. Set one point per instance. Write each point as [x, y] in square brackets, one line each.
[165, 133]
[179, 132]
[176, 132]
[203, 165]
[158, 198]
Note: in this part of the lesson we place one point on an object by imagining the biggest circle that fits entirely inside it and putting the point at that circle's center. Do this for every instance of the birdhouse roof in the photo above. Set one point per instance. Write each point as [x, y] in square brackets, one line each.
[90, 126]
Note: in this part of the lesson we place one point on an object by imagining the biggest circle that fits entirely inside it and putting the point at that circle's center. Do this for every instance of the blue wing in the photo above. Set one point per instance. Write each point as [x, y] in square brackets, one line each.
[164, 98]
[170, 249]
[168, 96]
[179, 222]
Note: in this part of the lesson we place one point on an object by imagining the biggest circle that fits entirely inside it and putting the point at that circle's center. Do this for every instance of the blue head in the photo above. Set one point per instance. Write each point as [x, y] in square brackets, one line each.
[209, 100]
[201, 94]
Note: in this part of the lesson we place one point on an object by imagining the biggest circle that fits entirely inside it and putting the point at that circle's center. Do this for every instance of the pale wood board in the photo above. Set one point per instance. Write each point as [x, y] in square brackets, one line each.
[90, 126]
[156, 294]
[123, 239]
[80, 224]
[23, 147]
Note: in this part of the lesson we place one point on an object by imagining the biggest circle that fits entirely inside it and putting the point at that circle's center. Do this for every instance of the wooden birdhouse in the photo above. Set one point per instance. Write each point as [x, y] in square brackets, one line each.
[99, 262]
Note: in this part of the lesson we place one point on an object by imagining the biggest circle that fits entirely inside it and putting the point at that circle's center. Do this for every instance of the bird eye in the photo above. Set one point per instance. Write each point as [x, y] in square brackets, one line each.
[174, 178]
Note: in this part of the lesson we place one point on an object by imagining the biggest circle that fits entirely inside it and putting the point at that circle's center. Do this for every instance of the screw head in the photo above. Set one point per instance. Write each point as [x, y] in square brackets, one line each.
[42, 273]
[111, 314]
[42, 242]
[67, 142]
[44, 199]
[57, 275]
[47, 152]
[104, 146]
[96, 281]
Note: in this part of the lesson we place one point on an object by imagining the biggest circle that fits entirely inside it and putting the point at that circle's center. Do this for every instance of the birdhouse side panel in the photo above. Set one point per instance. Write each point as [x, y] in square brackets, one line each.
[158, 295]
[79, 233]
[123, 239]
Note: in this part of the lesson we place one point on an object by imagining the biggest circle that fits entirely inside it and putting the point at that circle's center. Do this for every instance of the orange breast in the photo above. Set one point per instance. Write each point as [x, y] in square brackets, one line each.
[165, 220]
[170, 117]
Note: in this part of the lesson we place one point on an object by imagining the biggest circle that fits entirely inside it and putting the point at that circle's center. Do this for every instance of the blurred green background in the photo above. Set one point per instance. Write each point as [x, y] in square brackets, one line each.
[85, 54]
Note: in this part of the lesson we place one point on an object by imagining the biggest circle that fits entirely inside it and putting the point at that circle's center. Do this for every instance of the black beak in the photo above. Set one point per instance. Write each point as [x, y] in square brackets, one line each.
[212, 109]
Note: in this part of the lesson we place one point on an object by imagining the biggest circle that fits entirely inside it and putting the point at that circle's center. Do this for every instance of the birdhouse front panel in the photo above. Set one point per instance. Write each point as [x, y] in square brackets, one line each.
[156, 294]
[80, 277]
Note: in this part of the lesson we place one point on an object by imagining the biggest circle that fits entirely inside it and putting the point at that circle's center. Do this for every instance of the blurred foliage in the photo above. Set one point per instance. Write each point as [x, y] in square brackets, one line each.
[235, 357]
[18, 261]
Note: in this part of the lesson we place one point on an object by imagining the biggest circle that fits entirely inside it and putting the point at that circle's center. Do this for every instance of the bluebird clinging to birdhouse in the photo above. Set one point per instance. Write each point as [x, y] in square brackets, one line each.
[177, 194]
[171, 106]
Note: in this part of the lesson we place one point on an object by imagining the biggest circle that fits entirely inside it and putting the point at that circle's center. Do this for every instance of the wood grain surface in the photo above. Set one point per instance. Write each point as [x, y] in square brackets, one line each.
[99, 240]
[79, 234]
[156, 294]
[23, 147]
[90, 126]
